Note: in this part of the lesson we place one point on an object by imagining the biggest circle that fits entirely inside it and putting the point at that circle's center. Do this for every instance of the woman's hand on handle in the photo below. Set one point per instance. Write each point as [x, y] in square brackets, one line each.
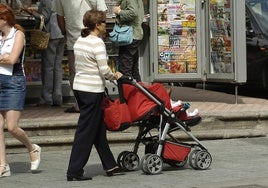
[118, 75]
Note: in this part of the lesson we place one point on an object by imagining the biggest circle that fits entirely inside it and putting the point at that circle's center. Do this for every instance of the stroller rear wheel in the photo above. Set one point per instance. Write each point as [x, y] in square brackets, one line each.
[120, 159]
[130, 161]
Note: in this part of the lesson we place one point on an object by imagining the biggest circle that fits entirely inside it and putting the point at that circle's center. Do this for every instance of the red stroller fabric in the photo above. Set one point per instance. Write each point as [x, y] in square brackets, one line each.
[116, 115]
[139, 104]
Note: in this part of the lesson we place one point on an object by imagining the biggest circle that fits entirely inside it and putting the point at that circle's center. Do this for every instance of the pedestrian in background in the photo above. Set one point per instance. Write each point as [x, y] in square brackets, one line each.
[130, 12]
[51, 58]
[91, 66]
[70, 22]
[12, 87]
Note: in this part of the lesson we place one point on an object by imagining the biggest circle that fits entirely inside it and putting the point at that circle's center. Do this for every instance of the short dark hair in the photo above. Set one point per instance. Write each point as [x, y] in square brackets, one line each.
[90, 19]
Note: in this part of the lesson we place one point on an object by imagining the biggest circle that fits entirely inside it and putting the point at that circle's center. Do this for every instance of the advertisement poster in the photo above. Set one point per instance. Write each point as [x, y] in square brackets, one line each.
[176, 30]
[220, 36]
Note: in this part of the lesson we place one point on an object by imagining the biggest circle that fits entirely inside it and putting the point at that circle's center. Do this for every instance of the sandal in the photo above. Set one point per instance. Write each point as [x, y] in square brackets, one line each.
[35, 163]
[6, 172]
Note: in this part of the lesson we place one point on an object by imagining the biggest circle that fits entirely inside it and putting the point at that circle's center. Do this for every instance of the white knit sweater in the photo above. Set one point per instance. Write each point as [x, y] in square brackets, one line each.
[91, 65]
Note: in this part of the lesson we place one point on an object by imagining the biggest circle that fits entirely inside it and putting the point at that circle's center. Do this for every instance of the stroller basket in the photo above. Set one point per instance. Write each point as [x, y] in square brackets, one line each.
[176, 152]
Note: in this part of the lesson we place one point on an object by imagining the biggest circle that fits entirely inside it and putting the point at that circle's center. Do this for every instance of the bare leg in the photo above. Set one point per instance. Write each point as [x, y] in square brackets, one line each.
[12, 120]
[2, 143]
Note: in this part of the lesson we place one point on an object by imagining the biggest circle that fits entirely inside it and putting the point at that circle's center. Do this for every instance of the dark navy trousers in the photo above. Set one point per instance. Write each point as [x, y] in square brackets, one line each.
[129, 60]
[90, 131]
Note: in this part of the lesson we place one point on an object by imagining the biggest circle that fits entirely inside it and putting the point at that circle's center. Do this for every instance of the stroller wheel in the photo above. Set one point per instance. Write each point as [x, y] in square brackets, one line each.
[120, 159]
[153, 164]
[143, 163]
[203, 160]
[192, 158]
[131, 161]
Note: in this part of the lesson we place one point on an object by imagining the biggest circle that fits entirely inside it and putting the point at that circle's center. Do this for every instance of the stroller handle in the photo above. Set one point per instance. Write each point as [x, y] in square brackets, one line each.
[125, 78]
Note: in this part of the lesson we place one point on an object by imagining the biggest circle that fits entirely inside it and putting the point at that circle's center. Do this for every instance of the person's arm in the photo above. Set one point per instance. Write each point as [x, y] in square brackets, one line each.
[13, 56]
[58, 8]
[126, 14]
[101, 60]
[61, 22]
[45, 9]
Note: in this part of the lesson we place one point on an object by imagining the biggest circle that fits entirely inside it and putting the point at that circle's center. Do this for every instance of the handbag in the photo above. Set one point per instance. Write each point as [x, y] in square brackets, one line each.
[121, 35]
[116, 114]
[39, 38]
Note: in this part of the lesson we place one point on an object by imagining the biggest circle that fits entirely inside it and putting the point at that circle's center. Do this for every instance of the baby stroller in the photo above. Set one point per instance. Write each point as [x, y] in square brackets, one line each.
[150, 110]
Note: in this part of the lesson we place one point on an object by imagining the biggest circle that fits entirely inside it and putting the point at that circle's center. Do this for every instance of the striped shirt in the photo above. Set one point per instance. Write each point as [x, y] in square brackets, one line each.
[91, 66]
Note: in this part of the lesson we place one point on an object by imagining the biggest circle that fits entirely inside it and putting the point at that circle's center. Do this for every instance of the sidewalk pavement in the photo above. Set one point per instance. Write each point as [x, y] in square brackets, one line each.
[217, 109]
[236, 163]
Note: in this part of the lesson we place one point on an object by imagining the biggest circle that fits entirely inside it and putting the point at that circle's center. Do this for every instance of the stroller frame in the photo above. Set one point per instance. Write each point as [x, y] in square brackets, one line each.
[152, 163]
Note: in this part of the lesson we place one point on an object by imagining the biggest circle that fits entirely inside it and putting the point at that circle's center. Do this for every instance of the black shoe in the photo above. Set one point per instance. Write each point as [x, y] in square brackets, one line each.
[78, 178]
[115, 171]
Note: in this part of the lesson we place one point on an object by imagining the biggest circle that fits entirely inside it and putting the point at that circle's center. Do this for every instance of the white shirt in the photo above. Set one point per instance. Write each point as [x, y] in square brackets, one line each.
[6, 47]
[73, 11]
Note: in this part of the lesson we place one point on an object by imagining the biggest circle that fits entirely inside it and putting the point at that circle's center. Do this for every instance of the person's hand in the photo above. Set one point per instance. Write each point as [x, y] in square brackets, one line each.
[29, 10]
[118, 75]
[117, 10]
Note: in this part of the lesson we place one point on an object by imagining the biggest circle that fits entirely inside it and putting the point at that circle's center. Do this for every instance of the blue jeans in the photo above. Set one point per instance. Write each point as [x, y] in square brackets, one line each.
[51, 72]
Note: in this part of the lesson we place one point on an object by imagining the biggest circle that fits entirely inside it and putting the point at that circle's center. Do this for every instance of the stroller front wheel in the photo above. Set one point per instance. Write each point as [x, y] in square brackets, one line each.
[152, 164]
[203, 160]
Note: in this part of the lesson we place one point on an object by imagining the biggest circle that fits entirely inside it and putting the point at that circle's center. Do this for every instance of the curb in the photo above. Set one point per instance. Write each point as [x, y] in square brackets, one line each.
[225, 126]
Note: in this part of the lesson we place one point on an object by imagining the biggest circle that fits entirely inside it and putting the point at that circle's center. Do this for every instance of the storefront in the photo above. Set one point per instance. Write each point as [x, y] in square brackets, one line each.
[184, 41]
[198, 40]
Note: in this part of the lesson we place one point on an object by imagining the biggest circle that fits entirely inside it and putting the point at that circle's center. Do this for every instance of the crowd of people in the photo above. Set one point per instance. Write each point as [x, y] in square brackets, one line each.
[82, 27]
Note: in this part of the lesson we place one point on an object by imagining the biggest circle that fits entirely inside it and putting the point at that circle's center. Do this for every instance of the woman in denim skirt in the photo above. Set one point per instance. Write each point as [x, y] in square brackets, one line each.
[12, 87]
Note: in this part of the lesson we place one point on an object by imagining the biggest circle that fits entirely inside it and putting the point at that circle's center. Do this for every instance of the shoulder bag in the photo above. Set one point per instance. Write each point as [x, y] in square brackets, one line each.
[121, 35]
[39, 38]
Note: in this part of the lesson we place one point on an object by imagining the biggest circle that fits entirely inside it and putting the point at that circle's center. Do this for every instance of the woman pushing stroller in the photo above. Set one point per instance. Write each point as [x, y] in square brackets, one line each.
[89, 83]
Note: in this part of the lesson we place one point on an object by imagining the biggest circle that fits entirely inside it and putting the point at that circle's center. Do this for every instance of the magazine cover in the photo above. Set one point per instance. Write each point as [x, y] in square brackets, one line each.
[220, 36]
[176, 36]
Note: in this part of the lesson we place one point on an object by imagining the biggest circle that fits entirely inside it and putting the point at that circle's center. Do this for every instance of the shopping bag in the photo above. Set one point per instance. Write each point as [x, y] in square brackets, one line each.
[116, 115]
[121, 35]
[39, 37]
